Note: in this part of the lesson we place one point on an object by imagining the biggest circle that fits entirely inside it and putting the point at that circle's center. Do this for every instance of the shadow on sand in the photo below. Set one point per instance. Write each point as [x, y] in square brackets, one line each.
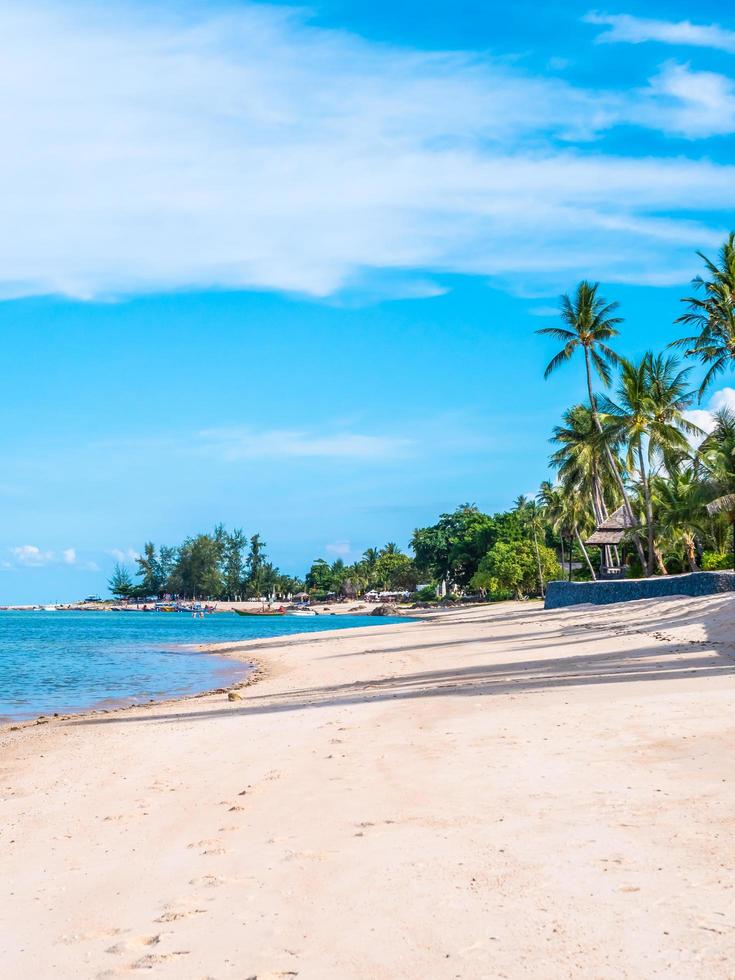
[657, 658]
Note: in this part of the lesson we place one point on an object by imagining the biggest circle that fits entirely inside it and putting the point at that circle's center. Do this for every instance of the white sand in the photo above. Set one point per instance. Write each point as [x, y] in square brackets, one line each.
[493, 793]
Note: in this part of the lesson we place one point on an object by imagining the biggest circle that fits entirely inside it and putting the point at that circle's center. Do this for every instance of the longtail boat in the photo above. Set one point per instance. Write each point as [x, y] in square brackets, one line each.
[281, 611]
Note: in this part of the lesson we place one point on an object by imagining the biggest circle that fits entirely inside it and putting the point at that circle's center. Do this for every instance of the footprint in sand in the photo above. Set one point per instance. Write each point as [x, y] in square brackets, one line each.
[209, 881]
[173, 915]
[153, 959]
[128, 946]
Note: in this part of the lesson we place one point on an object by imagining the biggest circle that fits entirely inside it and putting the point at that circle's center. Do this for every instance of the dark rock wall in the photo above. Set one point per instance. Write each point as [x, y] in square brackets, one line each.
[560, 594]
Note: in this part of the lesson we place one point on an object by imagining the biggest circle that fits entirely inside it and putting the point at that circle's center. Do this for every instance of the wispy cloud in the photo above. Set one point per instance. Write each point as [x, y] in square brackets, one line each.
[340, 549]
[243, 147]
[637, 30]
[691, 103]
[31, 556]
[704, 417]
[123, 555]
[239, 442]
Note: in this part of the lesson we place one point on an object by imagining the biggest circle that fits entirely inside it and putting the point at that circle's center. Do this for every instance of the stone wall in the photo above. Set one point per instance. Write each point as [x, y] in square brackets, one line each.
[602, 593]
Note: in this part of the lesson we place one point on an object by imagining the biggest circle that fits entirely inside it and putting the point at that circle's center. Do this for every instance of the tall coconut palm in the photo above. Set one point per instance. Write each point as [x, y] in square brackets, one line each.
[581, 460]
[712, 314]
[589, 324]
[717, 458]
[648, 419]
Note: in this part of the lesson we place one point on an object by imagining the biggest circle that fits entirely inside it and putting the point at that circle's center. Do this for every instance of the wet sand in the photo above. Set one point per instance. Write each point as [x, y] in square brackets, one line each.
[495, 792]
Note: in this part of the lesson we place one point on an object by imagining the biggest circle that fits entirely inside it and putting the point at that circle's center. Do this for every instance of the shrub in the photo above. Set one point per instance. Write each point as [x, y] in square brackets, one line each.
[513, 567]
[426, 594]
[715, 560]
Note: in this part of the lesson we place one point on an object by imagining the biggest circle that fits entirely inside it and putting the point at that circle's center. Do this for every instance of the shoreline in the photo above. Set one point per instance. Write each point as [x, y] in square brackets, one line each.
[499, 791]
[225, 650]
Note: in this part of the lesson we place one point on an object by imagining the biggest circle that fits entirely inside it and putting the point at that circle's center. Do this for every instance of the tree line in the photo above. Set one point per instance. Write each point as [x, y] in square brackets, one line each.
[631, 447]
[221, 565]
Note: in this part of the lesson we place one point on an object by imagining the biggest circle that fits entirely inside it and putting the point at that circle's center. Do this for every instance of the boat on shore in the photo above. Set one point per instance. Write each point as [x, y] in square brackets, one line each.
[281, 611]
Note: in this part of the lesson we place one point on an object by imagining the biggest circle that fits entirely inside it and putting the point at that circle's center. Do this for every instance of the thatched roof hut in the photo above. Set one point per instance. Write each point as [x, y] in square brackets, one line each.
[613, 529]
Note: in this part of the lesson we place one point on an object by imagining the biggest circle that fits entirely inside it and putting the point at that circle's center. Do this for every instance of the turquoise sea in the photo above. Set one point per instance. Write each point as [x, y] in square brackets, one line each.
[69, 661]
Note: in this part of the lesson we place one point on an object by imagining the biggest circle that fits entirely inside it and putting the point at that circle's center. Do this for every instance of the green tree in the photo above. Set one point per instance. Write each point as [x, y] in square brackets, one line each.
[254, 567]
[451, 549]
[512, 567]
[196, 573]
[531, 517]
[394, 572]
[589, 325]
[120, 583]
[167, 557]
[712, 314]
[717, 457]
[233, 563]
[319, 577]
[648, 418]
[680, 498]
[150, 572]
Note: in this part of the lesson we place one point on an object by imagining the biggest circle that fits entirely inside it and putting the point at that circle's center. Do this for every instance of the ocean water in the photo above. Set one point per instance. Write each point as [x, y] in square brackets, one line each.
[70, 661]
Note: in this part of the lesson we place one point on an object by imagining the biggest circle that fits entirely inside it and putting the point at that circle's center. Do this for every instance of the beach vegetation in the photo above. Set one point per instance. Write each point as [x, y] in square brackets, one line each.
[120, 583]
[512, 568]
[711, 312]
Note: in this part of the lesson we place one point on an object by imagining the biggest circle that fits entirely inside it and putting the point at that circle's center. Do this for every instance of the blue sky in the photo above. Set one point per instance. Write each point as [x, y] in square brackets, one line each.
[282, 267]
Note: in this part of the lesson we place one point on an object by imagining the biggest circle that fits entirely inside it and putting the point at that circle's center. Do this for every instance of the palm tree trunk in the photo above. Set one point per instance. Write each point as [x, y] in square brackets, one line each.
[649, 509]
[584, 552]
[571, 544]
[611, 461]
[691, 553]
[538, 563]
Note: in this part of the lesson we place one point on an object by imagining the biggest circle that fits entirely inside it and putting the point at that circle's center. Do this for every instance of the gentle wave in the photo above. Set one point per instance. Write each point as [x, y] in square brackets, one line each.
[60, 662]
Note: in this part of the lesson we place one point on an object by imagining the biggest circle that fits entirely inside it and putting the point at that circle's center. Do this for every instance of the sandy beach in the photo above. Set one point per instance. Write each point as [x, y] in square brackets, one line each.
[491, 792]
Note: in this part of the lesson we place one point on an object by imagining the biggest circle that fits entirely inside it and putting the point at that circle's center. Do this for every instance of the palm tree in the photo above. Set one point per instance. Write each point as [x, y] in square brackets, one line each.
[590, 323]
[390, 549]
[580, 459]
[717, 457]
[565, 510]
[531, 517]
[713, 314]
[648, 418]
[551, 499]
[680, 498]
[369, 557]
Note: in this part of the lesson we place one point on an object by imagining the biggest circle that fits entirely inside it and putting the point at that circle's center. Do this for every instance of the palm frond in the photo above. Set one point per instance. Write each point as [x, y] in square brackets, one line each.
[722, 505]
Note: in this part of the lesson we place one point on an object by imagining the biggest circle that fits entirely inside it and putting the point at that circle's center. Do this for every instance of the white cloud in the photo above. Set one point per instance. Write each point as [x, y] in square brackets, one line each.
[31, 556]
[149, 149]
[240, 442]
[636, 30]
[704, 417]
[690, 103]
[123, 555]
[341, 549]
